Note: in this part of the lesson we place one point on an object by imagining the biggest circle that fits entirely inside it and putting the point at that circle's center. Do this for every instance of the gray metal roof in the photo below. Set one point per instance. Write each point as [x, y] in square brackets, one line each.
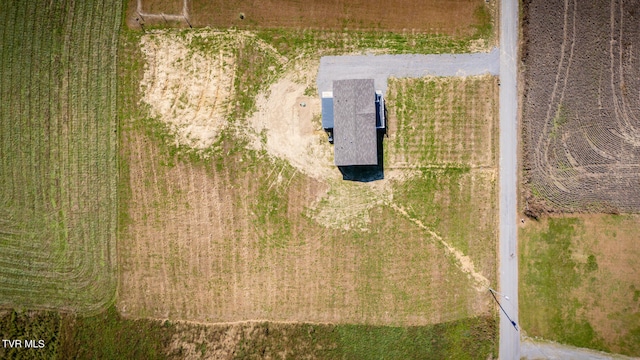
[327, 110]
[354, 129]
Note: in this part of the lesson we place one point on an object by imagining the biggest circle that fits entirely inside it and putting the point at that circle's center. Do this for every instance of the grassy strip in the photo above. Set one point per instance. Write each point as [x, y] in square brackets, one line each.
[291, 43]
[472, 338]
[109, 336]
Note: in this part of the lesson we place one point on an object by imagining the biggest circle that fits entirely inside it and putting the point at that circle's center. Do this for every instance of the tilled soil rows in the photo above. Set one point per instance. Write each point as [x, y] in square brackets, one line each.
[452, 17]
[455, 17]
[581, 119]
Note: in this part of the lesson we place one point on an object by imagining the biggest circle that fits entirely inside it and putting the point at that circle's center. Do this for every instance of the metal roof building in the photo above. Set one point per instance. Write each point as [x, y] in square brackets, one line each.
[354, 128]
[327, 109]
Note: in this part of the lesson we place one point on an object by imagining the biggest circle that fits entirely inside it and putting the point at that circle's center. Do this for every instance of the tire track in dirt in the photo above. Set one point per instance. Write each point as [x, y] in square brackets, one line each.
[464, 262]
[628, 131]
[564, 83]
[584, 155]
[546, 166]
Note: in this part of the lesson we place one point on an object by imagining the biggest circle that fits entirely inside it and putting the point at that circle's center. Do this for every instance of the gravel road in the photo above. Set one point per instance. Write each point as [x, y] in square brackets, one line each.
[381, 67]
[536, 350]
[509, 336]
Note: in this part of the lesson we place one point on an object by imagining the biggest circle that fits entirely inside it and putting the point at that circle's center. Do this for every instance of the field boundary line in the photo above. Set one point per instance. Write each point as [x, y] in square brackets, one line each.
[239, 322]
[481, 168]
[464, 262]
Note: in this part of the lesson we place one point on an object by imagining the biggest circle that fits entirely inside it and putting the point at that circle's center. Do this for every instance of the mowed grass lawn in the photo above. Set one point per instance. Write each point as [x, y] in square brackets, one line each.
[579, 281]
[58, 164]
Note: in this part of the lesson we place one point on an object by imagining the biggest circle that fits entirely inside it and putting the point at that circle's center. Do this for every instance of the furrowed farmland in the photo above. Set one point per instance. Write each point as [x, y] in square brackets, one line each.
[581, 118]
[58, 169]
[452, 18]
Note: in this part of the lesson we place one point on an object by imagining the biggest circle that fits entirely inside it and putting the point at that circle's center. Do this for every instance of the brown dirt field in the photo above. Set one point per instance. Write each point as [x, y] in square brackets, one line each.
[264, 229]
[453, 17]
[208, 246]
[581, 123]
[169, 7]
[293, 131]
[606, 296]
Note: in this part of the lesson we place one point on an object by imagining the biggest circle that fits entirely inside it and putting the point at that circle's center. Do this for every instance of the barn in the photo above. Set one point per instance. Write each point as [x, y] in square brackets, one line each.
[353, 116]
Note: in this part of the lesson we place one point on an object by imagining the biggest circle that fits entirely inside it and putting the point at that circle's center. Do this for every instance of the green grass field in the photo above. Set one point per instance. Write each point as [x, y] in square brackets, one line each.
[58, 163]
[72, 337]
[579, 281]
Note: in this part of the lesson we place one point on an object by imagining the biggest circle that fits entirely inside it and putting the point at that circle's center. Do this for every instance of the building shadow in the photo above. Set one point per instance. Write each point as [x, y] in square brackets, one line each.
[367, 173]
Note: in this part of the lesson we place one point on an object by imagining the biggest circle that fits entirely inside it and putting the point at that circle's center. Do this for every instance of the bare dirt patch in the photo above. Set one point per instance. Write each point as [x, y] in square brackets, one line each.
[581, 120]
[188, 89]
[287, 124]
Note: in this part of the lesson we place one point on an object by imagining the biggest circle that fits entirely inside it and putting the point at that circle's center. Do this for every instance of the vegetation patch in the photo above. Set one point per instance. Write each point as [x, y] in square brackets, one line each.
[58, 140]
[37, 331]
[109, 336]
[578, 281]
[443, 135]
[443, 122]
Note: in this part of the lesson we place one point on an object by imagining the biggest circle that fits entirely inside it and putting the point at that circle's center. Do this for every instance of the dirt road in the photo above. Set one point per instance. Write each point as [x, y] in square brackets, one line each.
[509, 336]
[534, 350]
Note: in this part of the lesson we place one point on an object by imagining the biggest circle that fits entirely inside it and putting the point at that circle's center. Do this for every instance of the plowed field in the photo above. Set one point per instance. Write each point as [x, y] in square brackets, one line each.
[456, 17]
[581, 106]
